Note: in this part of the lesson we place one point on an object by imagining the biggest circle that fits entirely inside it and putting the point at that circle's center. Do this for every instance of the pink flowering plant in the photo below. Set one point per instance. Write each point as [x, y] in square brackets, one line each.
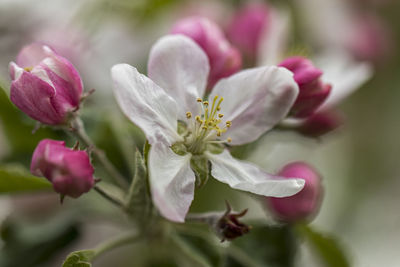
[165, 153]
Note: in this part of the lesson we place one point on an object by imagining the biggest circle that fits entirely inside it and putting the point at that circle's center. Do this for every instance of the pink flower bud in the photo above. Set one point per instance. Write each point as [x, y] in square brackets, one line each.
[313, 92]
[224, 59]
[321, 123]
[305, 204]
[248, 26]
[370, 39]
[44, 85]
[70, 171]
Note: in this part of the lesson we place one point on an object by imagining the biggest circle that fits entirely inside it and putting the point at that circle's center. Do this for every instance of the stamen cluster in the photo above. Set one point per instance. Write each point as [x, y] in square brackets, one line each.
[205, 128]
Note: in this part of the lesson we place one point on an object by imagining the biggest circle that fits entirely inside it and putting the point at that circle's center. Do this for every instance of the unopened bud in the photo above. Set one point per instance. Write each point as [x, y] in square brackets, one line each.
[321, 123]
[44, 85]
[312, 90]
[223, 57]
[303, 205]
[69, 170]
[247, 27]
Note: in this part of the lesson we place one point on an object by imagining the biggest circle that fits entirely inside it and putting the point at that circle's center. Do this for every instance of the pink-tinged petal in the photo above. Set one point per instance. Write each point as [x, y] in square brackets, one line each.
[223, 58]
[248, 177]
[321, 123]
[255, 100]
[47, 151]
[146, 104]
[345, 75]
[64, 76]
[31, 55]
[36, 98]
[80, 178]
[248, 26]
[15, 71]
[306, 104]
[171, 181]
[67, 95]
[303, 69]
[70, 171]
[179, 66]
[305, 204]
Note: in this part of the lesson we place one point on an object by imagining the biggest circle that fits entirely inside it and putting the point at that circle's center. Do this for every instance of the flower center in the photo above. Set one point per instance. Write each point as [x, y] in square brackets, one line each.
[205, 128]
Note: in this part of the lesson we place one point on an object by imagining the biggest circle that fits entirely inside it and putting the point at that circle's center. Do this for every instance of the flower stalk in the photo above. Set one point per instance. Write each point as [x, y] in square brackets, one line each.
[77, 128]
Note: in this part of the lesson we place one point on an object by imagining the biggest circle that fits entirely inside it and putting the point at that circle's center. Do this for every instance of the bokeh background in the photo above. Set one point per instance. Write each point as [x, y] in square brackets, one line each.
[359, 161]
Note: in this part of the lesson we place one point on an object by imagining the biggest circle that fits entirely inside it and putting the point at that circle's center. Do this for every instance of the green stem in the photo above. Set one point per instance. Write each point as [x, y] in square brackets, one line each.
[79, 130]
[104, 194]
[240, 256]
[116, 242]
[190, 253]
[233, 251]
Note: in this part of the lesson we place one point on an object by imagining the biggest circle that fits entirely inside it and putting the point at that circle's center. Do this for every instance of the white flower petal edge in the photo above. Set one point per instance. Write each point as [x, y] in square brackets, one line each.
[172, 182]
[274, 40]
[145, 104]
[255, 100]
[246, 176]
[345, 74]
[181, 68]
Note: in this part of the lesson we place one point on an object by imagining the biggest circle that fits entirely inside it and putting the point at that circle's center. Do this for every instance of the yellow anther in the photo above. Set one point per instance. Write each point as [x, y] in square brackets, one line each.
[220, 115]
[188, 114]
[219, 133]
[28, 69]
[228, 124]
[199, 100]
[218, 108]
[205, 103]
[229, 140]
[204, 127]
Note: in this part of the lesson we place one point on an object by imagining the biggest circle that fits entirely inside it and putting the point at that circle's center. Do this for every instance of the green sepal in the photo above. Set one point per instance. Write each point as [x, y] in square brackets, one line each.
[215, 148]
[80, 258]
[201, 168]
[179, 149]
[181, 127]
[138, 201]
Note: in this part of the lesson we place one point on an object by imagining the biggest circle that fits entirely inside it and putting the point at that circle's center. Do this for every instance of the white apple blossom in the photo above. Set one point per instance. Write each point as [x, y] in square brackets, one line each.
[181, 126]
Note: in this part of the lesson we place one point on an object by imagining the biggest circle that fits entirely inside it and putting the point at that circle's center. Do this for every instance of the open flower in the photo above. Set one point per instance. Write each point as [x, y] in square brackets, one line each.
[224, 59]
[182, 127]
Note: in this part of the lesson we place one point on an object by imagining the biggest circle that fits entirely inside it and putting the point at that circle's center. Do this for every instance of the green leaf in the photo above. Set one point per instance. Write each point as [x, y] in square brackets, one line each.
[15, 179]
[327, 247]
[138, 200]
[32, 243]
[272, 246]
[80, 258]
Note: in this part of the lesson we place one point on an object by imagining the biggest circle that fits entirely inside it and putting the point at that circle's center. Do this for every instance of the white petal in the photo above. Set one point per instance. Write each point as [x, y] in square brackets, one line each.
[274, 40]
[248, 177]
[327, 23]
[181, 68]
[344, 73]
[171, 181]
[145, 104]
[255, 100]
